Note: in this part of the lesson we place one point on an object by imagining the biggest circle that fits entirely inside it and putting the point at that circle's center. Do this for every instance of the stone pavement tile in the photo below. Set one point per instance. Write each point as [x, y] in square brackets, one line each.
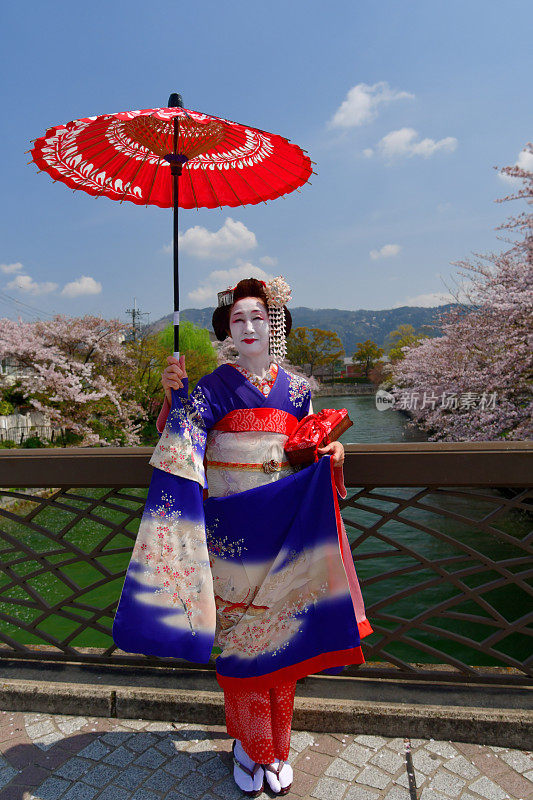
[374, 777]
[444, 749]
[326, 744]
[341, 769]
[52, 788]
[151, 758]
[122, 757]
[462, 767]
[99, 775]
[358, 793]
[374, 742]
[425, 763]
[140, 742]
[397, 744]
[397, 793]
[403, 780]
[116, 737]
[180, 765]
[145, 794]
[194, 785]
[40, 728]
[356, 754]
[487, 789]
[226, 789]
[517, 760]
[529, 775]
[514, 784]
[329, 789]
[136, 724]
[48, 741]
[313, 763]
[388, 760]
[114, 793]
[430, 794]
[30, 776]
[132, 777]
[80, 791]
[69, 725]
[447, 783]
[470, 750]
[95, 750]
[215, 769]
[160, 781]
[488, 763]
[300, 740]
[303, 783]
[74, 768]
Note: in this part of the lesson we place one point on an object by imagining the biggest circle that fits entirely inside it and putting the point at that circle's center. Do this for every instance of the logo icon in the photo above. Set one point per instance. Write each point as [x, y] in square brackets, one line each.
[384, 400]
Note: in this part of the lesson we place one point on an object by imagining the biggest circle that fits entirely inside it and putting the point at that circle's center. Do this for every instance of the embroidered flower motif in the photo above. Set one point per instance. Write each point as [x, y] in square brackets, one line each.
[298, 390]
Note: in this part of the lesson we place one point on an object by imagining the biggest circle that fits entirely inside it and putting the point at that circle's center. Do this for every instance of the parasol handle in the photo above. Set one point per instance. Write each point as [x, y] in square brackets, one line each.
[175, 101]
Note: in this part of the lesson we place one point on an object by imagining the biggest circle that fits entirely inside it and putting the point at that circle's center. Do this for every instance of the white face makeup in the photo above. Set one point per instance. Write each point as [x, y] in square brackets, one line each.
[249, 327]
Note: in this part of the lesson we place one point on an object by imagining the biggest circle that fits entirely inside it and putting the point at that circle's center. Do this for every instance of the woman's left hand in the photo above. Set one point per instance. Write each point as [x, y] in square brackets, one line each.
[335, 450]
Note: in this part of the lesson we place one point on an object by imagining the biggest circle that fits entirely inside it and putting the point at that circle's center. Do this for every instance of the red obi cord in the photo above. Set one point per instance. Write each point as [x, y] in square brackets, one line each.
[270, 420]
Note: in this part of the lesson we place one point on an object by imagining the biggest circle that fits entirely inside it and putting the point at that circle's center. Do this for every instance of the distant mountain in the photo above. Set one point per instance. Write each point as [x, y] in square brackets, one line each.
[351, 326]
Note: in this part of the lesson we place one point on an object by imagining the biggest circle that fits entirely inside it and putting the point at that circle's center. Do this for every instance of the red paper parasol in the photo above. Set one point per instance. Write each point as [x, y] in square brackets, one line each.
[172, 157]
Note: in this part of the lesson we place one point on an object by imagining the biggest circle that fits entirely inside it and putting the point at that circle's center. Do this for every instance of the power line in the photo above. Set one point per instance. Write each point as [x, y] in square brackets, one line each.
[26, 305]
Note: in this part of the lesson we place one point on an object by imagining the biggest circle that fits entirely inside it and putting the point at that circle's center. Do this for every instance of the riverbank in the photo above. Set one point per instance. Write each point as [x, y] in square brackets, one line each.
[344, 389]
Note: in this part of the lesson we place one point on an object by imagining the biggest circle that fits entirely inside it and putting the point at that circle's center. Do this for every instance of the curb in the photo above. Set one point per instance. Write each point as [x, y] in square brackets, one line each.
[487, 726]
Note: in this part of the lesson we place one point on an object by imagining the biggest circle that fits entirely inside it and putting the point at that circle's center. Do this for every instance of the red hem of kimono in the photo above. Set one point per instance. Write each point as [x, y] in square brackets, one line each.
[338, 658]
[363, 625]
[365, 628]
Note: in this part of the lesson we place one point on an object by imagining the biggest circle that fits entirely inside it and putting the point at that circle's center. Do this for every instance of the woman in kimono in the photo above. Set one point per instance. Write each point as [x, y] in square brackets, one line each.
[261, 567]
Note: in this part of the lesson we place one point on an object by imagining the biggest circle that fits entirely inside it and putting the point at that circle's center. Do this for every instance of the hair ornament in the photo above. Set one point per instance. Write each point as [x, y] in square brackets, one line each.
[278, 293]
[225, 298]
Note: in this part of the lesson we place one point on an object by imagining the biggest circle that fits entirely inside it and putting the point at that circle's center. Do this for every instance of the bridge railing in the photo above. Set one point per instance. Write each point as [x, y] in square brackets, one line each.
[441, 534]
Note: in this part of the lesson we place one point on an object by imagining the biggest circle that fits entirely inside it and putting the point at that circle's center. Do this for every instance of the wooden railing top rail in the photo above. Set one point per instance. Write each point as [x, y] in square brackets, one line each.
[383, 464]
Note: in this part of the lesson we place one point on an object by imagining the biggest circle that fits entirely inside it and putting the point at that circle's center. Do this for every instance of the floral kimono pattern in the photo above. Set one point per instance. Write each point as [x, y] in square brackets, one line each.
[262, 568]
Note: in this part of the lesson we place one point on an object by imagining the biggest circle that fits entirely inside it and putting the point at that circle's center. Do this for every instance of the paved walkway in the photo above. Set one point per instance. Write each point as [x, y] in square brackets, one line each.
[53, 757]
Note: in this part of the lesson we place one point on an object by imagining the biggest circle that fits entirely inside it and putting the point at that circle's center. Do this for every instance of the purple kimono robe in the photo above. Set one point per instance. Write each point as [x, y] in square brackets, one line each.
[263, 568]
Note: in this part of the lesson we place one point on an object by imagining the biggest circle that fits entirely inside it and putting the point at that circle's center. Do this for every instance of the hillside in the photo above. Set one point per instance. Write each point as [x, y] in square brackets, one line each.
[351, 326]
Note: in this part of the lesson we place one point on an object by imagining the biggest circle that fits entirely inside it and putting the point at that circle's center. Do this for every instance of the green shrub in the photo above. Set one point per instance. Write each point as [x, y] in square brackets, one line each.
[8, 443]
[6, 408]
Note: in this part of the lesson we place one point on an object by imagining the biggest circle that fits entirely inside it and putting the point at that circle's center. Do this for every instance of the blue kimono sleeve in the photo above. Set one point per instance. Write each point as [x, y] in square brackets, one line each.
[167, 605]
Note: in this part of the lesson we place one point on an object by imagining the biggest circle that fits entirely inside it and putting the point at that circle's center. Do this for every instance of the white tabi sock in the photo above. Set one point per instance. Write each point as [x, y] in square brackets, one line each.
[285, 776]
[242, 779]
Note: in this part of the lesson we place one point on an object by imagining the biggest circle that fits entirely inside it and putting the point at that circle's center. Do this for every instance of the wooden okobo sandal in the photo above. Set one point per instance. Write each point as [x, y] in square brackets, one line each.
[251, 772]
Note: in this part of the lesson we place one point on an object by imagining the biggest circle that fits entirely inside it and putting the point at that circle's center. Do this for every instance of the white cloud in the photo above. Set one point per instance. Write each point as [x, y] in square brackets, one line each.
[361, 104]
[220, 279]
[268, 261]
[83, 285]
[387, 251]
[232, 239]
[428, 300]
[524, 161]
[25, 283]
[406, 142]
[368, 152]
[9, 269]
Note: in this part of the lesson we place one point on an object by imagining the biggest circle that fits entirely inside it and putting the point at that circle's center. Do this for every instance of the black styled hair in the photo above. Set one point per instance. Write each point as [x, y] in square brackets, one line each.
[248, 287]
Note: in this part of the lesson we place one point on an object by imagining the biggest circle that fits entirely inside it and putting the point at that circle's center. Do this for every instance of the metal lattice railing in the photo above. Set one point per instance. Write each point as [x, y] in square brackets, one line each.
[445, 567]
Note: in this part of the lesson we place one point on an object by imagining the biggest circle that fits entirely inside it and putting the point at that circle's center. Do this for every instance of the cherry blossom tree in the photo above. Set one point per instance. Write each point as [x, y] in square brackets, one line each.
[473, 383]
[77, 372]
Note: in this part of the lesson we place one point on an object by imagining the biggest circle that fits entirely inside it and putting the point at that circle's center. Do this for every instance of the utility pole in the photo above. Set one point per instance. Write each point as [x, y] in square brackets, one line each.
[136, 317]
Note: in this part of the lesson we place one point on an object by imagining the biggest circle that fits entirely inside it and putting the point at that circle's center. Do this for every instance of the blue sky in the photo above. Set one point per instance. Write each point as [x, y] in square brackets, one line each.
[405, 106]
